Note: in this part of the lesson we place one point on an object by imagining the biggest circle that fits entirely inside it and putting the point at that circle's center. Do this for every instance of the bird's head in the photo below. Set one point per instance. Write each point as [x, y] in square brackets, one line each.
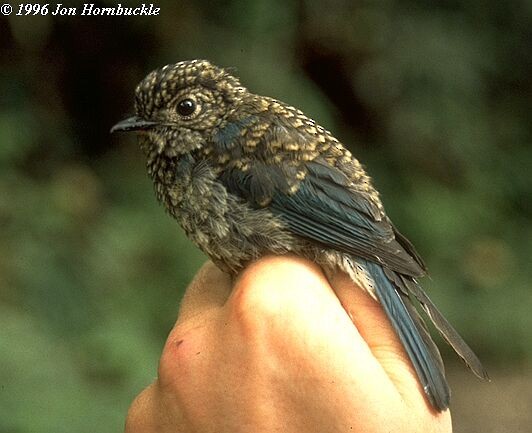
[178, 106]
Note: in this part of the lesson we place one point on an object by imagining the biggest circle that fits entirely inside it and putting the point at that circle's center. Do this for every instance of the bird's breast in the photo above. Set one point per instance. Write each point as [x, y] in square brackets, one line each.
[222, 225]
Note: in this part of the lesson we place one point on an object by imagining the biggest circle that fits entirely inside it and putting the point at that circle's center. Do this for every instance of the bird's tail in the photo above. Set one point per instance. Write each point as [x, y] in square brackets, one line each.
[442, 325]
[412, 332]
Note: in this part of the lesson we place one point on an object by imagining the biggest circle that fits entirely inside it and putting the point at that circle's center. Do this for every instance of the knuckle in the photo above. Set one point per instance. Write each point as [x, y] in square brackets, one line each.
[268, 301]
[175, 362]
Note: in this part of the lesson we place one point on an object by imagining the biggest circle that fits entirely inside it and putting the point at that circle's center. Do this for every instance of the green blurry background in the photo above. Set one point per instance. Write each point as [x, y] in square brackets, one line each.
[435, 97]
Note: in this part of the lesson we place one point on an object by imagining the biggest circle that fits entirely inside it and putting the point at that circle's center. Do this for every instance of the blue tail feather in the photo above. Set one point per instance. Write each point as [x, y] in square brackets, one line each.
[412, 334]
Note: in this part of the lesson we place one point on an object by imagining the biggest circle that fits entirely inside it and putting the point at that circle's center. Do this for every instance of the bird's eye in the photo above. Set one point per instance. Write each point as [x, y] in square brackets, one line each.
[186, 107]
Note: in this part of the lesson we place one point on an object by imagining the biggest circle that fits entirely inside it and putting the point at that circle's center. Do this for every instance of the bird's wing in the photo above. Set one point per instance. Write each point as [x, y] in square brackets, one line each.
[324, 207]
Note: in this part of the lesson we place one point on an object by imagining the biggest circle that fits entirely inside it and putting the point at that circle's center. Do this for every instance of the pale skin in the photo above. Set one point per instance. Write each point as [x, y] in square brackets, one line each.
[275, 351]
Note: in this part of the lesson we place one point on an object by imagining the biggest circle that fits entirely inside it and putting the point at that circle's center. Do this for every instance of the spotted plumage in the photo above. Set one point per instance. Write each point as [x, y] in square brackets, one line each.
[247, 175]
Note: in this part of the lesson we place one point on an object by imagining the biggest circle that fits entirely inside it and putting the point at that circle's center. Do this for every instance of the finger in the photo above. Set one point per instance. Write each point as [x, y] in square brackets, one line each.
[375, 328]
[292, 287]
[290, 300]
[210, 288]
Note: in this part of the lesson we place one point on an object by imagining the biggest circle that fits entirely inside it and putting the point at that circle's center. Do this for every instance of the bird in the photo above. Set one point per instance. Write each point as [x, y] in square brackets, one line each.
[247, 175]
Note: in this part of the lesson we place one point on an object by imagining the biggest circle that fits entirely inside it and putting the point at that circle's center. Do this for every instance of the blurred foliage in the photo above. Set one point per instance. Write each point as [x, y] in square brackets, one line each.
[434, 97]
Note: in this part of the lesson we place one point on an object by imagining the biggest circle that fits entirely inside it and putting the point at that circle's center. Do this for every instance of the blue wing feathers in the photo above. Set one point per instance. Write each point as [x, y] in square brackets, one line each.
[319, 218]
[323, 210]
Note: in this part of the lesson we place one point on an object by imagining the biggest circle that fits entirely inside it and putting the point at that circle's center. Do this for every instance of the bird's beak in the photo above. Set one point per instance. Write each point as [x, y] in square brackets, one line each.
[133, 123]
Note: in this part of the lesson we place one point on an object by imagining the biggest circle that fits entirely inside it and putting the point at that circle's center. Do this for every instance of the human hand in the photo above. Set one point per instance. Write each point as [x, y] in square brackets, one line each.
[276, 352]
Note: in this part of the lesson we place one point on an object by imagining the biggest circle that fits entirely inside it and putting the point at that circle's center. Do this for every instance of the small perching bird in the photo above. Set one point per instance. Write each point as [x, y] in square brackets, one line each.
[247, 175]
